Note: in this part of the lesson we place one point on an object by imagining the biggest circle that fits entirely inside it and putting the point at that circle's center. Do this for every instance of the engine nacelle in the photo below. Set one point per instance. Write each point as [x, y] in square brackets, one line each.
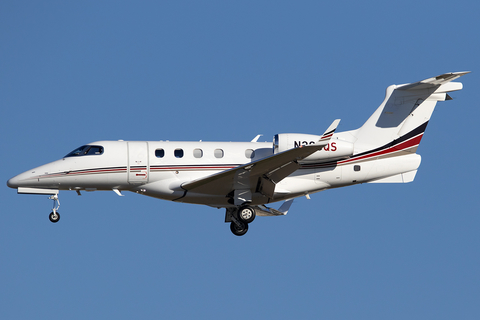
[335, 150]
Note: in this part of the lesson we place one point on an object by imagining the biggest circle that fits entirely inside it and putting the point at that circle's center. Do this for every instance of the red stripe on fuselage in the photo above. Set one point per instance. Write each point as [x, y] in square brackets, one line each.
[402, 146]
[414, 141]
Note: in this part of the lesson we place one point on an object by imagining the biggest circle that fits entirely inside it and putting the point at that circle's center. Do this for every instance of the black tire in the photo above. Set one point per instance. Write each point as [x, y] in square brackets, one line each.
[52, 218]
[239, 231]
[246, 214]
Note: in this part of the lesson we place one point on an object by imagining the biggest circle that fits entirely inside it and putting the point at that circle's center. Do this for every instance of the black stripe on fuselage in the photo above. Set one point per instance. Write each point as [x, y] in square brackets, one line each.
[415, 132]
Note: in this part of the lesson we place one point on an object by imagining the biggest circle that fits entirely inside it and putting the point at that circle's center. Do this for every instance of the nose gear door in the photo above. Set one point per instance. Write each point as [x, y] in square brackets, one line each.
[138, 167]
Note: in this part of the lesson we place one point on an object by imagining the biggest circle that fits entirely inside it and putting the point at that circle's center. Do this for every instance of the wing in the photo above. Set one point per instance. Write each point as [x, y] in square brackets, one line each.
[258, 176]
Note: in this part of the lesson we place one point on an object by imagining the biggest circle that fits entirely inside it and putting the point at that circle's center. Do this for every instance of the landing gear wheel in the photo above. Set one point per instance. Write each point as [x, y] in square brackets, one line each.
[54, 216]
[239, 231]
[246, 214]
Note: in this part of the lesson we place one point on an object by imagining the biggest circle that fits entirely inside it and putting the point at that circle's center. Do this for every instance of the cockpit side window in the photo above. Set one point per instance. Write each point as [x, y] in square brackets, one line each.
[94, 150]
[77, 152]
[86, 150]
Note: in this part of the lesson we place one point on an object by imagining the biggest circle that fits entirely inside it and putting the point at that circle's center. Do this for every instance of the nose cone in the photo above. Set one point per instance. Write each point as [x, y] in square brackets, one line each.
[38, 177]
[22, 180]
[14, 182]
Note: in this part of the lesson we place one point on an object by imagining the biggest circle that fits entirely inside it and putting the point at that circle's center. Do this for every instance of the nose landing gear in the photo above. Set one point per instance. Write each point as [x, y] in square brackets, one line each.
[54, 215]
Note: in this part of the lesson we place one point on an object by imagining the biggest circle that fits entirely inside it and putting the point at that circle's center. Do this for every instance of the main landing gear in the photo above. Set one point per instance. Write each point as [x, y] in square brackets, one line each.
[54, 215]
[239, 219]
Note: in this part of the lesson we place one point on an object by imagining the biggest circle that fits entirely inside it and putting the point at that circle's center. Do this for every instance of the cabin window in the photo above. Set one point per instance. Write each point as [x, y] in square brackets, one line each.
[159, 153]
[178, 153]
[197, 153]
[218, 153]
[249, 153]
[86, 150]
[356, 168]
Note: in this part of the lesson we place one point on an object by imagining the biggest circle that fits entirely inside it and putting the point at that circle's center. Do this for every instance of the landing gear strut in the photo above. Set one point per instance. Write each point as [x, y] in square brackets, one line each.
[239, 219]
[54, 215]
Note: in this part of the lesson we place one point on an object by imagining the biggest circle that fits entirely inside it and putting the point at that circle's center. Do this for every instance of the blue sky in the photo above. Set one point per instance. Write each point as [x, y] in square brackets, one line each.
[77, 72]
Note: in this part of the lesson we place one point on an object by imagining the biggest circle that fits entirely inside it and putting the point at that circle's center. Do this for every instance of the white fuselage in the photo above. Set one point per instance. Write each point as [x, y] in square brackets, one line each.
[159, 168]
[243, 177]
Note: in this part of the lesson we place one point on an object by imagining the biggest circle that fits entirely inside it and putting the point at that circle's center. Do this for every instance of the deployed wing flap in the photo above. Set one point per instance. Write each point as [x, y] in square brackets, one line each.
[267, 182]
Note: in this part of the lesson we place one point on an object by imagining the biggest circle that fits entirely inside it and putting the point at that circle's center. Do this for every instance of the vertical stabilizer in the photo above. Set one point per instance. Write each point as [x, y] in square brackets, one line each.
[402, 118]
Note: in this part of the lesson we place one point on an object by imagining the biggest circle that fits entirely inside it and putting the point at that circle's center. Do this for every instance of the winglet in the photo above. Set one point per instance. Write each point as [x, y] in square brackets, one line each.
[330, 131]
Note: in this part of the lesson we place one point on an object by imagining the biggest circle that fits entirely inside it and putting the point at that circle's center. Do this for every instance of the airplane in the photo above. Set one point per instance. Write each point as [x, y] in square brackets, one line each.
[245, 177]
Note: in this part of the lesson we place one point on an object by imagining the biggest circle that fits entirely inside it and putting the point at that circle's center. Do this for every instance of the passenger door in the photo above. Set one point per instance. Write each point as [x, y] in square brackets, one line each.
[138, 167]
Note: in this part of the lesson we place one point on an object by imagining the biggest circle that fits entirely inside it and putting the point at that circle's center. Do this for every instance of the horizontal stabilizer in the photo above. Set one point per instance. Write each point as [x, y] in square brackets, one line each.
[433, 82]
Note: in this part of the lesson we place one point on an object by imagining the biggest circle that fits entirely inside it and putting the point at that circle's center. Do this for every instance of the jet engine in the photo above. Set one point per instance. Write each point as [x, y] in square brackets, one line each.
[335, 150]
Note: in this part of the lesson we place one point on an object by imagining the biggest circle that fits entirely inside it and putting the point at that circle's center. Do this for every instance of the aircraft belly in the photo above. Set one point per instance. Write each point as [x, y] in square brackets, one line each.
[167, 188]
[299, 185]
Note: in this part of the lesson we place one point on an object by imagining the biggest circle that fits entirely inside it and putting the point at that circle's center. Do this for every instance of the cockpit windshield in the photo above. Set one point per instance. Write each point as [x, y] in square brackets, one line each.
[87, 150]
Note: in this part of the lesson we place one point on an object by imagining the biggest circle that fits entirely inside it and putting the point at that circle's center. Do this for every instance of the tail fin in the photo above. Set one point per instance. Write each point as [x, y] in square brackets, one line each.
[402, 118]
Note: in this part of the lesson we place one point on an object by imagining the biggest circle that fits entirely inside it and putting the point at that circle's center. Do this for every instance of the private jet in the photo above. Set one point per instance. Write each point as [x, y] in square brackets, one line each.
[245, 178]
